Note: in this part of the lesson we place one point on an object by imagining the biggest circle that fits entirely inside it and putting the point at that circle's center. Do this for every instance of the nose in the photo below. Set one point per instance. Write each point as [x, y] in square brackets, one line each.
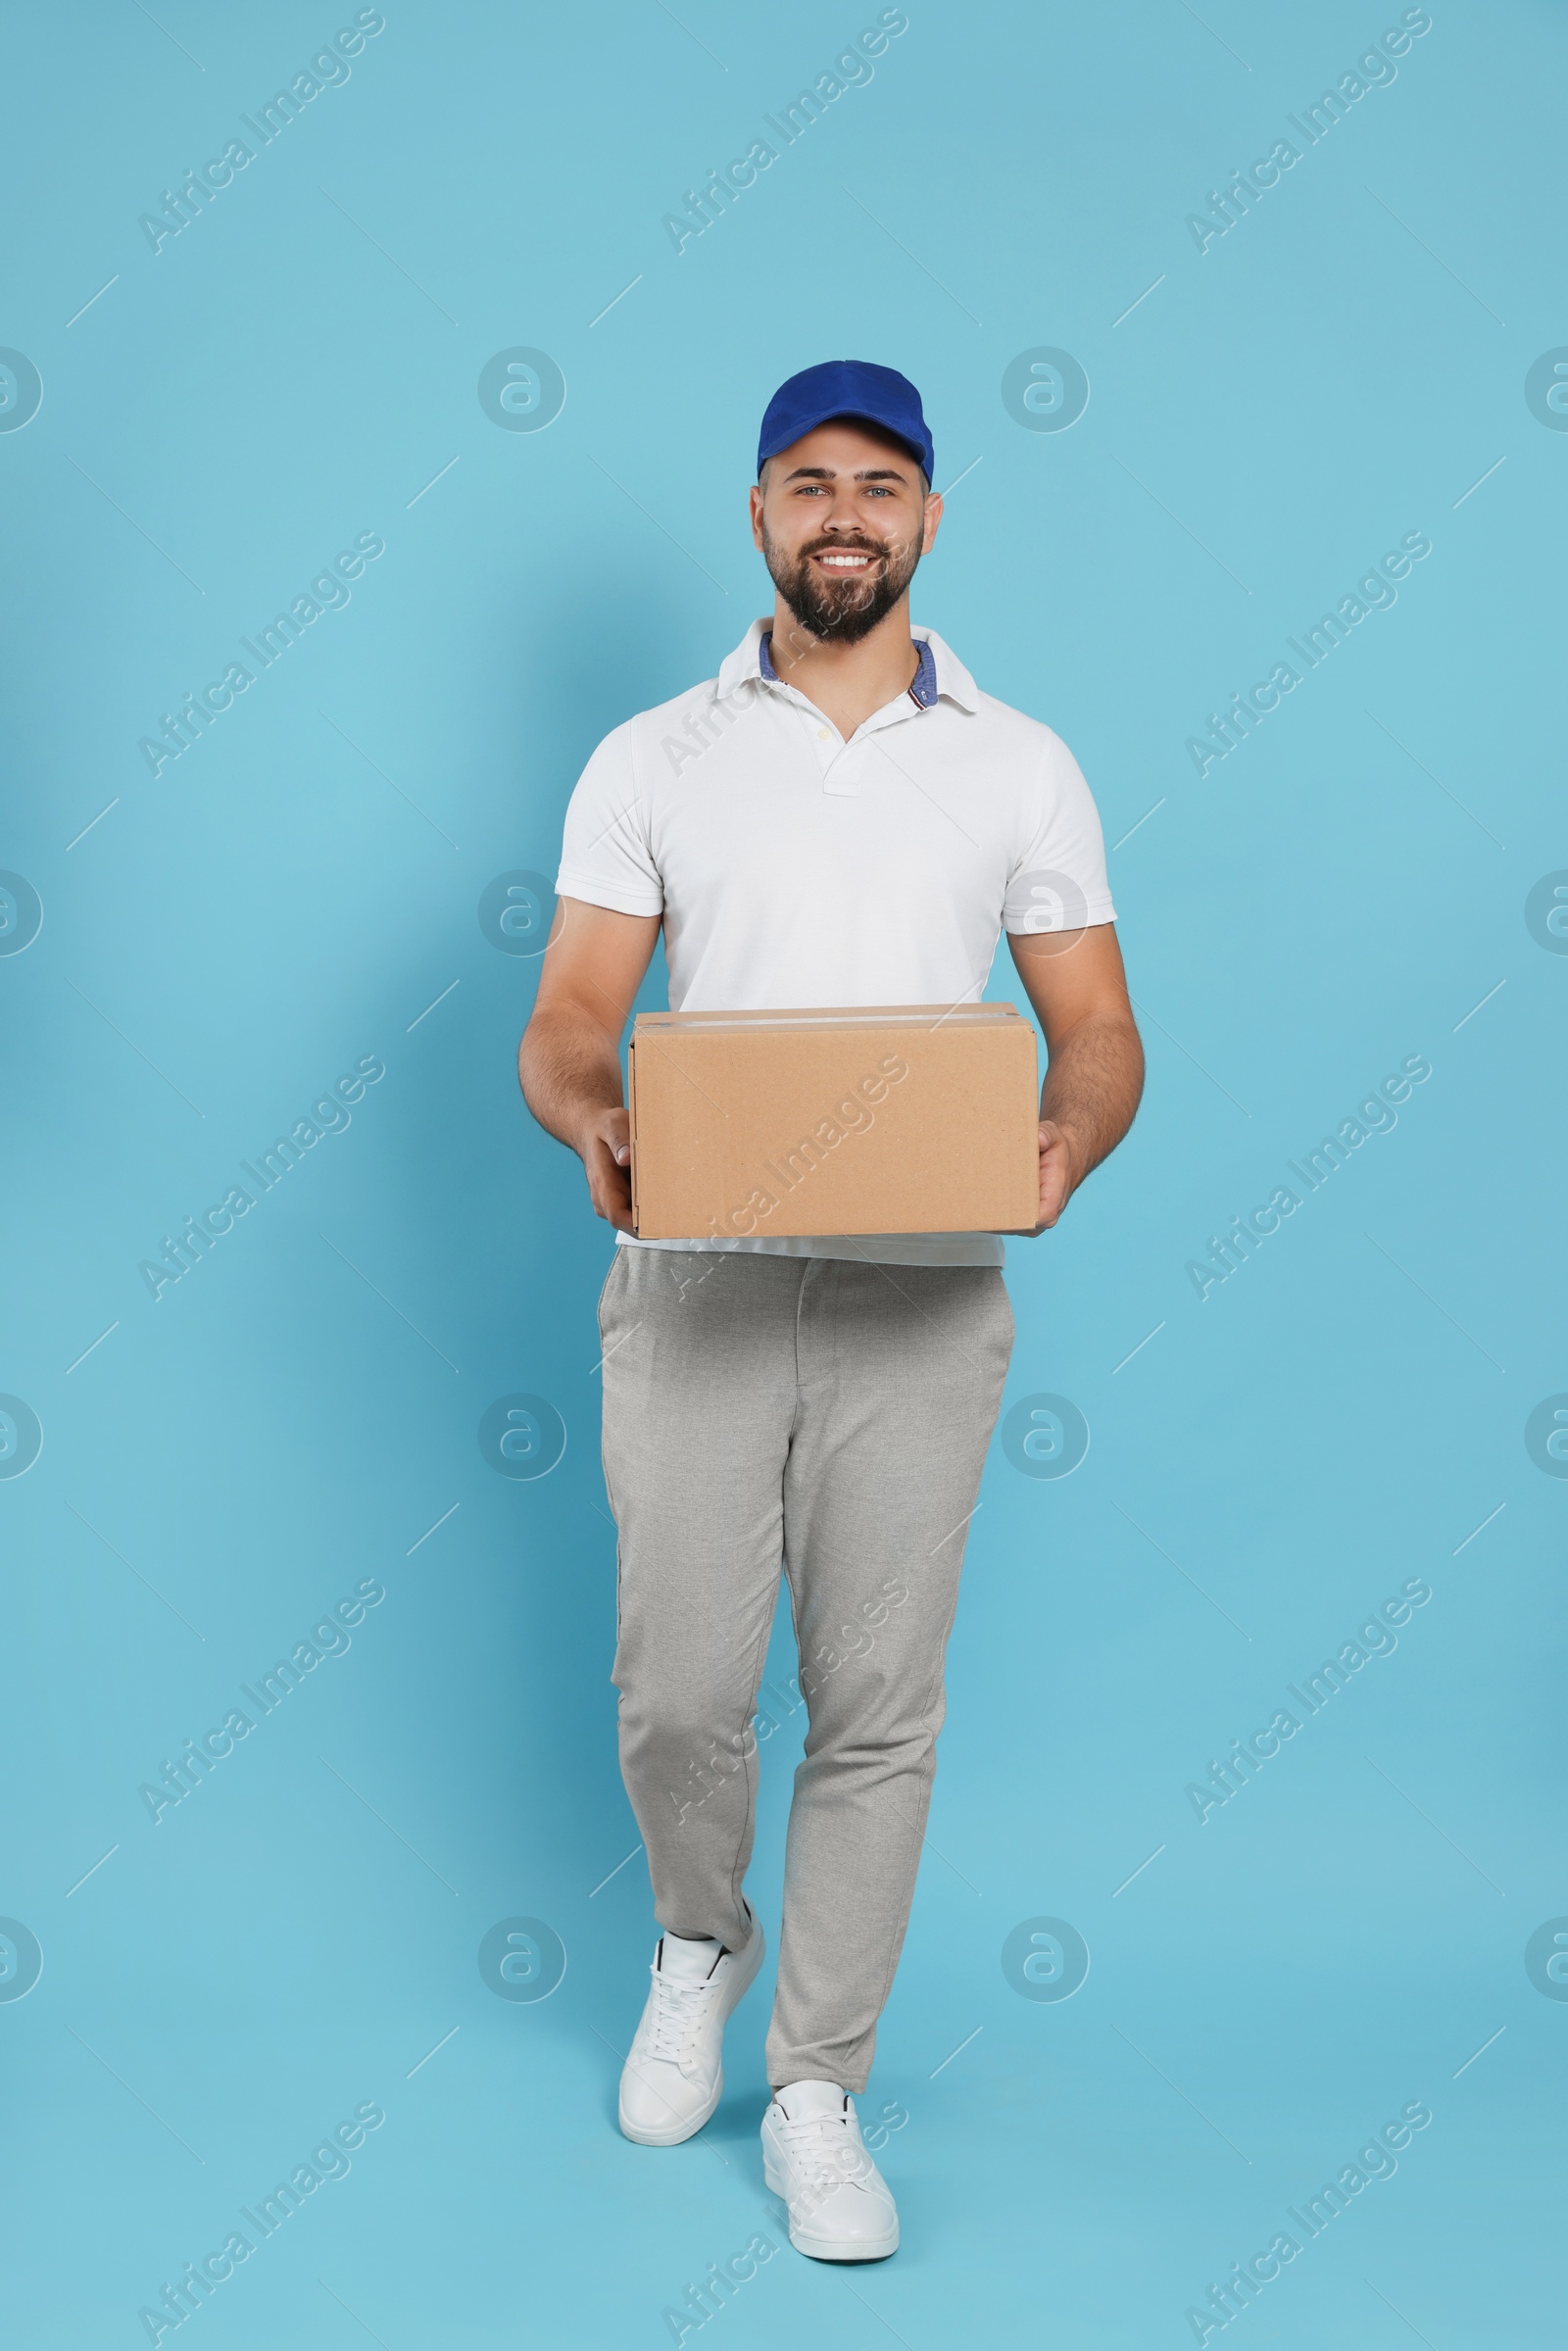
[844, 515]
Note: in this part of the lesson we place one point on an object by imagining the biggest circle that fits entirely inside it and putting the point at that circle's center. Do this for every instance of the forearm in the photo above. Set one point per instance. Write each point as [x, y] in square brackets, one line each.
[1092, 1087]
[568, 1066]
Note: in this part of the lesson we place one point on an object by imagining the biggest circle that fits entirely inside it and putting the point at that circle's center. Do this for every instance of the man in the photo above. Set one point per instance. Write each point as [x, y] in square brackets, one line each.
[841, 817]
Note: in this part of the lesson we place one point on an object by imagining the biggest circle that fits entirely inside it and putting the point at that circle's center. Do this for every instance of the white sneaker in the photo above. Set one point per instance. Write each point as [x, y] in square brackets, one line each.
[675, 2073]
[813, 2156]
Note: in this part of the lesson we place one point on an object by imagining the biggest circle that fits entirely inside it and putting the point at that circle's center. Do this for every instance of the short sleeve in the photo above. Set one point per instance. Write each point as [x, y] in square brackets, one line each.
[1058, 882]
[606, 855]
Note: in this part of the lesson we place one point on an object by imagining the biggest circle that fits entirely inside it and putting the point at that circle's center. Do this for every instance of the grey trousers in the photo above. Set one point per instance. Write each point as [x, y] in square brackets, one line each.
[833, 1417]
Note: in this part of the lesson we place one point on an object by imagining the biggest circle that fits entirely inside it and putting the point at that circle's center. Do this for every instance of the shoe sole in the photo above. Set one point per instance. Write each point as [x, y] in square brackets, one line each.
[675, 2136]
[826, 2248]
[820, 2249]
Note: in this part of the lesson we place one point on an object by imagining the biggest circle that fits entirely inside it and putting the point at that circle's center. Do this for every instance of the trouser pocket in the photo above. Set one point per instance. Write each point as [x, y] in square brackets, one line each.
[615, 1264]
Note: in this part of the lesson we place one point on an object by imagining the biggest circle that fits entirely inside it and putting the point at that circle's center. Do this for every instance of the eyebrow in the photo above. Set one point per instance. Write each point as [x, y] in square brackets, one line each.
[863, 474]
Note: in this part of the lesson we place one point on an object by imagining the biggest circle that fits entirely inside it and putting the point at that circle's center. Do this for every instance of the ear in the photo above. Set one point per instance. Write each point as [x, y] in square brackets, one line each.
[933, 510]
[756, 503]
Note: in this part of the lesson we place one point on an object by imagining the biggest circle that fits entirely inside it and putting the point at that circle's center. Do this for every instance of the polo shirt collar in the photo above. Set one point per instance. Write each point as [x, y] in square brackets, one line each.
[940, 673]
[952, 680]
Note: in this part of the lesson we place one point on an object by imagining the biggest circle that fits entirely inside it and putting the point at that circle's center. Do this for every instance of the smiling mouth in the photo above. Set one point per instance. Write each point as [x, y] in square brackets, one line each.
[846, 560]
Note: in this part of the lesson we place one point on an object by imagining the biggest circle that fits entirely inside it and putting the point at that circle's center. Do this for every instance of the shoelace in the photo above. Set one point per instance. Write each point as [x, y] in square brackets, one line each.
[678, 2012]
[824, 2148]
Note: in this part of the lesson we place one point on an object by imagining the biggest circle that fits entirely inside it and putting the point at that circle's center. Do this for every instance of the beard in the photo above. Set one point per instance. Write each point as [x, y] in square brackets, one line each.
[841, 610]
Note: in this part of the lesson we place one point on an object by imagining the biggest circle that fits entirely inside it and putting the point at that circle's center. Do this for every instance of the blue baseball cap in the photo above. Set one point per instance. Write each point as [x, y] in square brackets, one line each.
[849, 388]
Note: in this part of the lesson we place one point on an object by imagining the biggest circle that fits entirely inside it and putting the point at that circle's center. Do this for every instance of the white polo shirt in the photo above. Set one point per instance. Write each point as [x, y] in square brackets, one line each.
[794, 868]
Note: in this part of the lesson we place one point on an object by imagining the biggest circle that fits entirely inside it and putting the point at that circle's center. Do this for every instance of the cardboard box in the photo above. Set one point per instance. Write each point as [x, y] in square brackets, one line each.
[910, 1118]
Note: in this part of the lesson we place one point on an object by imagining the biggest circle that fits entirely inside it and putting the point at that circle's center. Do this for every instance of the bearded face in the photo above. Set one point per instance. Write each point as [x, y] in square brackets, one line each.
[841, 518]
[842, 583]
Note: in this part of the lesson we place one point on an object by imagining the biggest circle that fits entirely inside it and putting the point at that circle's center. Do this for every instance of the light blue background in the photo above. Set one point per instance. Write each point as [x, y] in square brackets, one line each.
[294, 1416]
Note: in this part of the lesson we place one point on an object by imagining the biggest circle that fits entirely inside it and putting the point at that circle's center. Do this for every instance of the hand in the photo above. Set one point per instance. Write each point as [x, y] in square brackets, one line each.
[604, 1146]
[1058, 1173]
